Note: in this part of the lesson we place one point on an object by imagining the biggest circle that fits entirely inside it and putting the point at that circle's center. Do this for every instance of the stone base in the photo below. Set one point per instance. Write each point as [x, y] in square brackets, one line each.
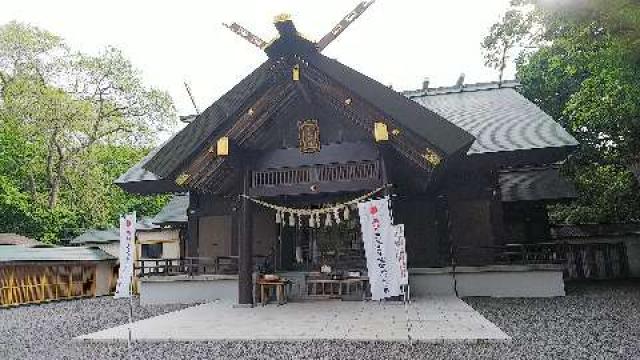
[183, 289]
[492, 281]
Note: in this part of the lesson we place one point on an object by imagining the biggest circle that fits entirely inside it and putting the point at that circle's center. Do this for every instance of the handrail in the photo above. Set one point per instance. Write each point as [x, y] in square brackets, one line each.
[188, 266]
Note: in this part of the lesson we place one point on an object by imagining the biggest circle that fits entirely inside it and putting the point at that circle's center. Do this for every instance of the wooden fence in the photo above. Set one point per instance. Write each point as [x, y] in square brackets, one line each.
[27, 284]
[580, 260]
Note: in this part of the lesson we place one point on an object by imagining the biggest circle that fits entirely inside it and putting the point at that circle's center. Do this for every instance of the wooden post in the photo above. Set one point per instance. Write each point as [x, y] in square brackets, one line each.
[245, 248]
[191, 246]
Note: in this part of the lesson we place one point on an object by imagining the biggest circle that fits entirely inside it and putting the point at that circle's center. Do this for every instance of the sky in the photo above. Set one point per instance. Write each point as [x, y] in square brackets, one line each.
[397, 42]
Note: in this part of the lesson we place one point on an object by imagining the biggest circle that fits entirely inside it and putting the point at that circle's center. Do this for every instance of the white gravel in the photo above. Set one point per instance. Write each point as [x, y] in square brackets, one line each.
[594, 321]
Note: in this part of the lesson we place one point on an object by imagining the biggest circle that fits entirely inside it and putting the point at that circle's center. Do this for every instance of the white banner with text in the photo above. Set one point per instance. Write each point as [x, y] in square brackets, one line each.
[380, 249]
[127, 246]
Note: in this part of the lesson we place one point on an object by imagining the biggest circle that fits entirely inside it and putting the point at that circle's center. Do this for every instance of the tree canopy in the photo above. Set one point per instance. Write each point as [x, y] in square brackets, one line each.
[70, 123]
[580, 62]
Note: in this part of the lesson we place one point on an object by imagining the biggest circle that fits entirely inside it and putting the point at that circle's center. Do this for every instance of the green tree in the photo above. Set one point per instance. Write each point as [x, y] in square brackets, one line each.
[585, 73]
[66, 117]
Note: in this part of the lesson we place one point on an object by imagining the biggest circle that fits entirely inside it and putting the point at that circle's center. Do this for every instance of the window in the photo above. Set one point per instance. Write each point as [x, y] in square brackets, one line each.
[152, 251]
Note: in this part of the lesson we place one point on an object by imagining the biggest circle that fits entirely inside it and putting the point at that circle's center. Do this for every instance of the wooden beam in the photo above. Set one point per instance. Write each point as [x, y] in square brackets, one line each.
[245, 247]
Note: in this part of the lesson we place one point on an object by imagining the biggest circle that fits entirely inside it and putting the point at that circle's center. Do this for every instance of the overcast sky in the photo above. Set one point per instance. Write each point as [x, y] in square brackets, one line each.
[397, 42]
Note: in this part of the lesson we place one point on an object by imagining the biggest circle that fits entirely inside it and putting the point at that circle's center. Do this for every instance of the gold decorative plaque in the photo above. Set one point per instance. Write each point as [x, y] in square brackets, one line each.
[309, 136]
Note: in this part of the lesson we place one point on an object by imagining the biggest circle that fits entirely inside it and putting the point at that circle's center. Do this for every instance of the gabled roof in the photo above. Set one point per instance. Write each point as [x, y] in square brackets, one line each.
[174, 212]
[168, 158]
[499, 117]
[446, 136]
[23, 254]
[140, 180]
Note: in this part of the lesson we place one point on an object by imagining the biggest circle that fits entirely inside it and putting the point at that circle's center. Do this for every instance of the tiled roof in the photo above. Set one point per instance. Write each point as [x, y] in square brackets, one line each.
[24, 254]
[174, 212]
[534, 184]
[497, 115]
[15, 239]
[95, 236]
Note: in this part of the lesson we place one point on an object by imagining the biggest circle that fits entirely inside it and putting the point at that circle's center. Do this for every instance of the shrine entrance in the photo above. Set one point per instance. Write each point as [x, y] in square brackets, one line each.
[318, 250]
[338, 247]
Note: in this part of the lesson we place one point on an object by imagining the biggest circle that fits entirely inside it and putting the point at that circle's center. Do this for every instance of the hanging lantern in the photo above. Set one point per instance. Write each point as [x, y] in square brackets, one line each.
[292, 220]
[346, 213]
[278, 217]
[312, 221]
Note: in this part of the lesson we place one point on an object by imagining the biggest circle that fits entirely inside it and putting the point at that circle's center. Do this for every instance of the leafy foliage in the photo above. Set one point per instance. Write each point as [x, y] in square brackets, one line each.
[70, 123]
[585, 72]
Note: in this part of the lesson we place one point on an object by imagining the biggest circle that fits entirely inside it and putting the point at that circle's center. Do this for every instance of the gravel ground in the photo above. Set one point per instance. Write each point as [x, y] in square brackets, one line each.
[594, 321]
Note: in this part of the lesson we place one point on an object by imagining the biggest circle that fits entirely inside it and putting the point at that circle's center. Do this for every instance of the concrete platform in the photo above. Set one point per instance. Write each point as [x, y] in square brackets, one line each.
[433, 319]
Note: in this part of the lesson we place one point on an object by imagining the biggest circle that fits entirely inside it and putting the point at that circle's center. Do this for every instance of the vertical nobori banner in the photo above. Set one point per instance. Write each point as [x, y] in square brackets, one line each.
[400, 243]
[379, 244]
[127, 243]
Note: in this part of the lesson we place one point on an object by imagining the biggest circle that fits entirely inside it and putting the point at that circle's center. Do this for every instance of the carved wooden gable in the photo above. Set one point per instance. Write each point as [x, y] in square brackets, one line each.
[309, 136]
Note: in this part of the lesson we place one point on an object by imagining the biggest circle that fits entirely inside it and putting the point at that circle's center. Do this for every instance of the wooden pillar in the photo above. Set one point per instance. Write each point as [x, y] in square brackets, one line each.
[245, 247]
[446, 249]
[191, 245]
[496, 212]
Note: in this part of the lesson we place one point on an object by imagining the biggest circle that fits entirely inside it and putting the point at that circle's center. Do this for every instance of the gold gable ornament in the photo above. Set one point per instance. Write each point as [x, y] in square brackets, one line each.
[182, 179]
[309, 136]
[380, 132]
[222, 146]
[432, 157]
[295, 72]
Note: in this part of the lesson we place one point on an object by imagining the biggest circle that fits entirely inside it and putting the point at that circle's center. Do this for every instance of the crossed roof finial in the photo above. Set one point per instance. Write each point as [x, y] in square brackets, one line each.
[285, 27]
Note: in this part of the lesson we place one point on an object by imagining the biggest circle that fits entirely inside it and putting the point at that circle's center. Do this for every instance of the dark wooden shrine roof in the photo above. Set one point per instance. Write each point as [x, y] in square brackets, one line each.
[499, 117]
[172, 155]
[501, 120]
[445, 136]
[535, 184]
[140, 180]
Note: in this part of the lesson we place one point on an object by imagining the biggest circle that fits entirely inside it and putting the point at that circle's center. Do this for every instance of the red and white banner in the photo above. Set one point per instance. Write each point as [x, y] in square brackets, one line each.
[380, 250]
[127, 246]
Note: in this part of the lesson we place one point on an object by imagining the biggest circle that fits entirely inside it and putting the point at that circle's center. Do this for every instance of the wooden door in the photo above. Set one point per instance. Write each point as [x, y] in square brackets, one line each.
[215, 236]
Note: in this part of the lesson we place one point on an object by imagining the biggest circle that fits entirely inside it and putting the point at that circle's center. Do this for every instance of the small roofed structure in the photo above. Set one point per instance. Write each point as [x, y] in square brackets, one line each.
[35, 275]
[156, 238]
[19, 240]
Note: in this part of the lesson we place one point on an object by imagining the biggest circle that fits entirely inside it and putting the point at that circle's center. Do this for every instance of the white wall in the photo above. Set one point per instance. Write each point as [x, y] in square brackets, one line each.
[508, 281]
[189, 290]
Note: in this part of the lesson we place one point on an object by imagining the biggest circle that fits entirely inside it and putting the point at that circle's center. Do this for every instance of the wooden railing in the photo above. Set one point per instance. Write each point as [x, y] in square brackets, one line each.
[580, 261]
[356, 171]
[187, 266]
